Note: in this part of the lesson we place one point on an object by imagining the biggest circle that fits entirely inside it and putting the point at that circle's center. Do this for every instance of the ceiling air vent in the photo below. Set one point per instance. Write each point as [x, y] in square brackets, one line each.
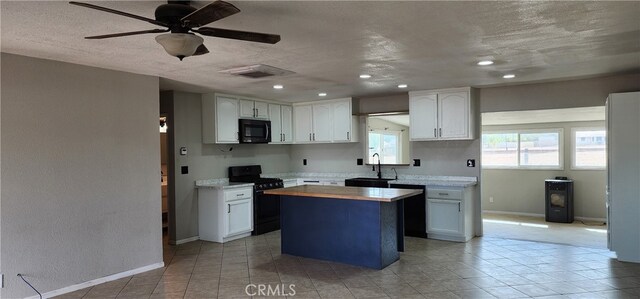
[256, 71]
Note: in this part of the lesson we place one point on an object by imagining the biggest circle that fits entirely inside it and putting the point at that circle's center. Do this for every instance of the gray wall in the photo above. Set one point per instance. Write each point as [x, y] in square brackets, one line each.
[80, 173]
[552, 95]
[206, 161]
[522, 191]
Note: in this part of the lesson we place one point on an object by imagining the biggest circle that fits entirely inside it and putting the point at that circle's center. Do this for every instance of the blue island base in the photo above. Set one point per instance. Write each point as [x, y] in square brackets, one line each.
[357, 232]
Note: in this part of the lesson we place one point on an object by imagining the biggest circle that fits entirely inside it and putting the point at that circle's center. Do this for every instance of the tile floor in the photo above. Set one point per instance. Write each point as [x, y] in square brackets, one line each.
[587, 234]
[482, 268]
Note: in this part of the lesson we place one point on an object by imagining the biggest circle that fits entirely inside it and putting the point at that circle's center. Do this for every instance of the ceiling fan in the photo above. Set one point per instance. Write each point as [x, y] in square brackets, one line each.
[182, 20]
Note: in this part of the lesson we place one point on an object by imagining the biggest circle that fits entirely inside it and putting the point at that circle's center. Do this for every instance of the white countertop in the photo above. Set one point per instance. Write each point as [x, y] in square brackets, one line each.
[423, 180]
[435, 181]
[221, 184]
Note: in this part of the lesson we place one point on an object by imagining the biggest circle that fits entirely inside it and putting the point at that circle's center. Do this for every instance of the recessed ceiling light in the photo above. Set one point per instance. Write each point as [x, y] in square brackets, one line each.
[509, 76]
[402, 86]
[322, 94]
[278, 86]
[365, 76]
[485, 62]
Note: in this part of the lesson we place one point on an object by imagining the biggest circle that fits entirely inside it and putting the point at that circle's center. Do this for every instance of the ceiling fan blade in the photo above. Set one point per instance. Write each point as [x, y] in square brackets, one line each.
[210, 13]
[201, 50]
[241, 35]
[122, 13]
[127, 33]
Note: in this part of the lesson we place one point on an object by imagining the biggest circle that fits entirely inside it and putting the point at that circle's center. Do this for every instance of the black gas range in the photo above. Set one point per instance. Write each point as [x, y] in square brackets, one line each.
[266, 208]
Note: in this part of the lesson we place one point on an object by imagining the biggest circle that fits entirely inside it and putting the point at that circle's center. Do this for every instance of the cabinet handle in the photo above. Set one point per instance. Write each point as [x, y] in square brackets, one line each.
[440, 132]
[443, 193]
[237, 134]
[310, 137]
[228, 209]
[254, 112]
[284, 137]
[458, 207]
[435, 133]
[241, 194]
[314, 136]
[348, 136]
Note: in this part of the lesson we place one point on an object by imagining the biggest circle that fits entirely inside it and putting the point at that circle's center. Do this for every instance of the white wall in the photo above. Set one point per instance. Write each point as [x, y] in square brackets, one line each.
[207, 161]
[80, 173]
[522, 191]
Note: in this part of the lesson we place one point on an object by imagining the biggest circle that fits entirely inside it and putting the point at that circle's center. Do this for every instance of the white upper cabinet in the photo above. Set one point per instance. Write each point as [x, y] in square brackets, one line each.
[342, 121]
[275, 116]
[302, 123]
[254, 109]
[219, 119]
[324, 122]
[423, 117]
[454, 115]
[442, 114]
[287, 124]
[280, 117]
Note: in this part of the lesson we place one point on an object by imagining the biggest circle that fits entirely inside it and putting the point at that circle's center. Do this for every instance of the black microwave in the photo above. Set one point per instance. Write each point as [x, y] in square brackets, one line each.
[254, 131]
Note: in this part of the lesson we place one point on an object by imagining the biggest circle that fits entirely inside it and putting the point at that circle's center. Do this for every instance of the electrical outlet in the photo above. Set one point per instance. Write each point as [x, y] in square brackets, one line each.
[416, 162]
[490, 198]
[359, 161]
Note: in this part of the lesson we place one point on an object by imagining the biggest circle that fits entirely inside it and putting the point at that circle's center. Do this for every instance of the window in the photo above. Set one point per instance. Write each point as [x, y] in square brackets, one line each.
[500, 149]
[528, 149]
[388, 146]
[589, 148]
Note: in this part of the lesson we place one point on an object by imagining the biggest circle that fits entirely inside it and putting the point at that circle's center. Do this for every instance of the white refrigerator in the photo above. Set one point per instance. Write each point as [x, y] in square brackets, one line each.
[623, 175]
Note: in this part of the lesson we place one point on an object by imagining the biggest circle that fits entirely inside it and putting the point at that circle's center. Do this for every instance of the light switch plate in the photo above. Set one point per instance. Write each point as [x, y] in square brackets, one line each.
[183, 151]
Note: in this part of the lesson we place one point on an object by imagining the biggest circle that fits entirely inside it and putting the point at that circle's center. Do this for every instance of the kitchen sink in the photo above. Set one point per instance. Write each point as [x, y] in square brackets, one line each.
[368, 182]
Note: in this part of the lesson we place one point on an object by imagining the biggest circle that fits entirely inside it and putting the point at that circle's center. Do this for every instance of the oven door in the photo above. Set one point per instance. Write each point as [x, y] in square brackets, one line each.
[266, 211]
[255, 131]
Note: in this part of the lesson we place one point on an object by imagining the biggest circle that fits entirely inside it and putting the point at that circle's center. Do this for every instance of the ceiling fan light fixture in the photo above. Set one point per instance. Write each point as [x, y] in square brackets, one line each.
[180, 45]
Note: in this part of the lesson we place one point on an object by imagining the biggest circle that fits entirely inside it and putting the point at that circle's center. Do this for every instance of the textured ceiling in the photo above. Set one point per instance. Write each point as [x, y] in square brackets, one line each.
[328, 44]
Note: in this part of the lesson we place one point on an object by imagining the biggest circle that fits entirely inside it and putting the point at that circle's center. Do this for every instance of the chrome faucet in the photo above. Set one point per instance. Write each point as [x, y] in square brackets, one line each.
[374, 166]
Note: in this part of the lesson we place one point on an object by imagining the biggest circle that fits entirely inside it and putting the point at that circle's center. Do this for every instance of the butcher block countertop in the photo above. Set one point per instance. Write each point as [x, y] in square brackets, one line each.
[354, 193]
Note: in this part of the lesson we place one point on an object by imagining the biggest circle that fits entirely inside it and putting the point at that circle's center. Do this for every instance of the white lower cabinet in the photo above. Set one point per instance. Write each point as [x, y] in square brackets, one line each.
[449, 214]
[225, 214]
[237, 220]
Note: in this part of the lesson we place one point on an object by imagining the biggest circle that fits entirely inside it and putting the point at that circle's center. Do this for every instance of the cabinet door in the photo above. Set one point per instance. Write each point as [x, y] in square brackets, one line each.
[444, 217]
[276, 128]
[239, 216]
[322, 122]
[423, 116]
[262, 110]
[302, 123]
[453, 118]
[342, 121]
[287, 132]
[226, 120]
[247, 109]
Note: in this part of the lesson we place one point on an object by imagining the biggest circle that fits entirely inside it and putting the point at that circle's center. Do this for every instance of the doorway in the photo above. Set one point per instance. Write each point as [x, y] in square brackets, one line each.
[522, 149]
[164, 158]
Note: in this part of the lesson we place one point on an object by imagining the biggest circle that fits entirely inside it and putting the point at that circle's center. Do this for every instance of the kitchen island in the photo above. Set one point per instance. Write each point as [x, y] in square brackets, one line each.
[352, 225]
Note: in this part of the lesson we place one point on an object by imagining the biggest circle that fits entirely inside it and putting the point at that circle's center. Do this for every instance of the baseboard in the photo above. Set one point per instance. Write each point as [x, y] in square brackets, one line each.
[542, 215]
[513, 213]
[98, 281]
[187, 240]
[591, 219]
